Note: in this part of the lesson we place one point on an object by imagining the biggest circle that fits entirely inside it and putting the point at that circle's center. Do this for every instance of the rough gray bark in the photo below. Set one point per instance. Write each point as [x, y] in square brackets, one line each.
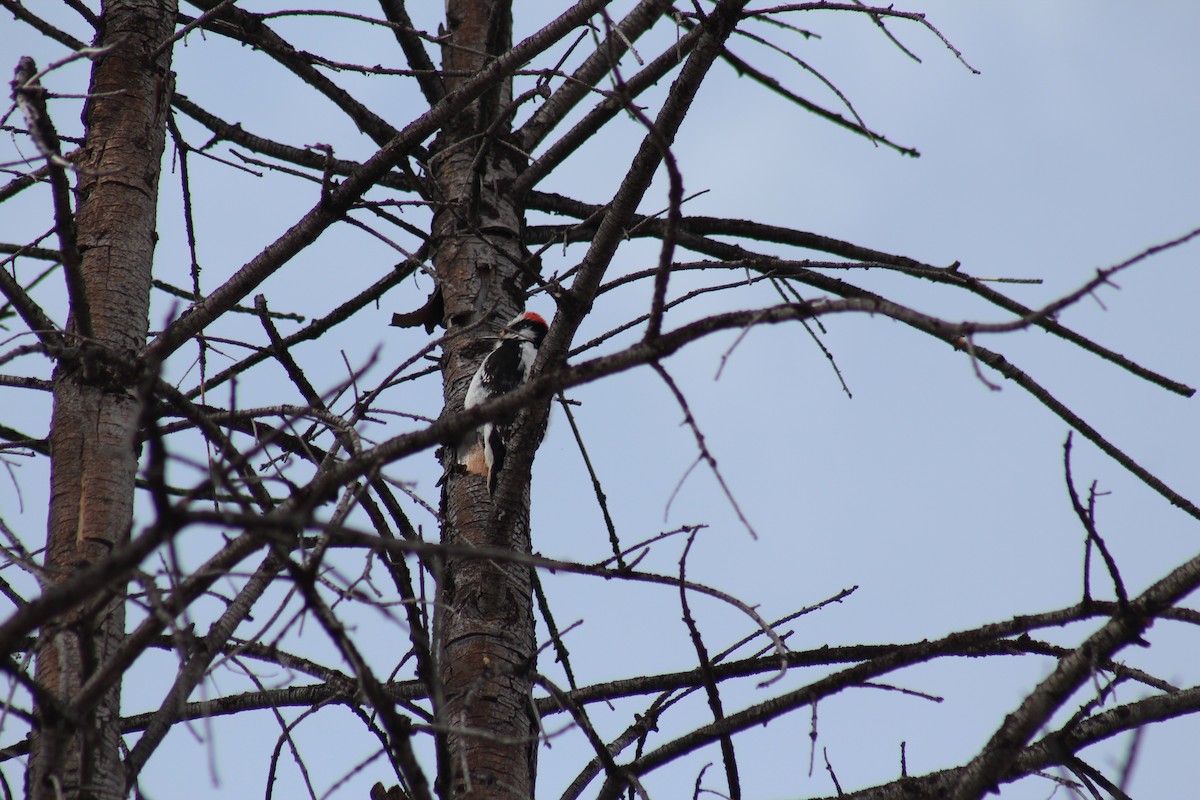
[96, 402]
[486, 630]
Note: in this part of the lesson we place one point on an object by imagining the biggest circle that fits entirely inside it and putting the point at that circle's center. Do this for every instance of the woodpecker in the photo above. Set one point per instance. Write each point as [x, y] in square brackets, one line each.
[505, 368]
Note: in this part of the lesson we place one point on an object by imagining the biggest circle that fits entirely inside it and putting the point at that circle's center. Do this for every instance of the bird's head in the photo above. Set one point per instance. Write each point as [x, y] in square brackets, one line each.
[528, 326]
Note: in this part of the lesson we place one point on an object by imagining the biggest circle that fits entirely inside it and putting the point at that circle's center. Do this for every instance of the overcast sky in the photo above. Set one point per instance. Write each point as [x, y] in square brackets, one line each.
[942, 499]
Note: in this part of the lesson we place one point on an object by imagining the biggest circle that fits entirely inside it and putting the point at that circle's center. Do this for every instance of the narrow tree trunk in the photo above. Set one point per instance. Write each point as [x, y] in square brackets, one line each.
[96, 409]
[486, 629]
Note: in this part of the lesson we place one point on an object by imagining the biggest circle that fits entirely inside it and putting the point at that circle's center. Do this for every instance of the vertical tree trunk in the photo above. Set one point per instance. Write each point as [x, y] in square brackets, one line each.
[486, 630]
[96, 407]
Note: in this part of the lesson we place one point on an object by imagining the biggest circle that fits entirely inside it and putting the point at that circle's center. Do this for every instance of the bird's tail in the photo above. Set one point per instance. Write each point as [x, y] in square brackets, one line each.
[494, 452]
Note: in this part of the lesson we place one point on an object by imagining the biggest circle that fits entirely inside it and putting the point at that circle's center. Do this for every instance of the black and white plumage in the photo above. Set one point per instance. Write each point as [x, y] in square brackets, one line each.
[505, 368]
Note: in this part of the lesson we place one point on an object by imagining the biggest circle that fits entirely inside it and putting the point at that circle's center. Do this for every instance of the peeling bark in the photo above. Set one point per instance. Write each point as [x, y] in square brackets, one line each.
[96, 405]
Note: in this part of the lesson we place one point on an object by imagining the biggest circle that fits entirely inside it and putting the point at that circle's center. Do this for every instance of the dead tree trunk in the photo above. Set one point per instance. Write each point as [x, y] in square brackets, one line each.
[486, 629]
[96, 400]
